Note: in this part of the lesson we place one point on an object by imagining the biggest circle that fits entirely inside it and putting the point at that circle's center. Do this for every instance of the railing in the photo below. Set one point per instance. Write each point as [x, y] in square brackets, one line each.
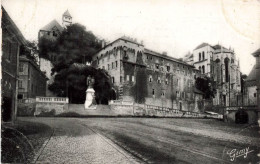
[53, 99]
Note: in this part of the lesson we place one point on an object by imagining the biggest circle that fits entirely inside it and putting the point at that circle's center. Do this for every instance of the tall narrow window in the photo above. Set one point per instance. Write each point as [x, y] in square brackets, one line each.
[133, 78]
[121, 79]
[113, 80]
[127, 77]
[153, 92]
[108, 67]
[203, 69]
[116, 64]
[203, 55]
[200, 68]
[112, 65]
[227, 69]
[199, 56]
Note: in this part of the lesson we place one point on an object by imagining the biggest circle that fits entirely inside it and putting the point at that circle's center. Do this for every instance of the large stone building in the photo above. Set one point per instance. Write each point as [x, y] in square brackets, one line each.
[143, 76]
[12, 39]
[52, 31]
[250, 92]
[32, 81]
[221, 65]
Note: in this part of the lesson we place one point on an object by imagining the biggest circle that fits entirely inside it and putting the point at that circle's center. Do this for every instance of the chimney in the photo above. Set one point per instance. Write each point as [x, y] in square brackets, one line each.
[164, 53]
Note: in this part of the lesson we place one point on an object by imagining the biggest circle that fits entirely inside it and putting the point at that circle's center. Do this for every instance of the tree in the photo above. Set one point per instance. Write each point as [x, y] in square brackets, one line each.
[69, 53]
[206, 85]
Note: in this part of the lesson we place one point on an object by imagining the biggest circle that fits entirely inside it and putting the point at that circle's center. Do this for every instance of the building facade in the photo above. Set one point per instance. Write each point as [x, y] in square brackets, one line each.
[51, 32]
[12, 39]
[250, 92]
[32, 81]
[144, 76]
[220, 64]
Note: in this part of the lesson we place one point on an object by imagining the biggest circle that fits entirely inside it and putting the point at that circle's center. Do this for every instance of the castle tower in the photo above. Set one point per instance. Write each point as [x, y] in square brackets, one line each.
[66, 19]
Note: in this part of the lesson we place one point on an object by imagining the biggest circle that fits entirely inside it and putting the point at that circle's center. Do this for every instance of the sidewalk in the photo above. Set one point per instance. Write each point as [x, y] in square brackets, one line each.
[91, 148]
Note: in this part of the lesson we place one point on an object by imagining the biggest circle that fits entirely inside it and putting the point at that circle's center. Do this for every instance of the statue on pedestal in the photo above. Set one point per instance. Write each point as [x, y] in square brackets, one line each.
[90, 93]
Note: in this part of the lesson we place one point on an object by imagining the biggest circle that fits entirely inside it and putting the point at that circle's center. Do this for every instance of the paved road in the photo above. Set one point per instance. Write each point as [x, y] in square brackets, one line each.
[146, 140]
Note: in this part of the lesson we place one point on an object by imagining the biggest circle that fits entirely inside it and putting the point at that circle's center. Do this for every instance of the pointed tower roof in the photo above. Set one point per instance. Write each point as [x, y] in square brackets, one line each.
[67, 13]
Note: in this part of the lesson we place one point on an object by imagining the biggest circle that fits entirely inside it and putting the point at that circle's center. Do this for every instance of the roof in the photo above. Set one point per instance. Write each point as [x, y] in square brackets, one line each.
[130, 40]
[52, 24]
[256, 53]
[66, 13]
[217, 46]
[166, 57]
[252, 75]
[202, 45]
[8, 23]
[121, 38]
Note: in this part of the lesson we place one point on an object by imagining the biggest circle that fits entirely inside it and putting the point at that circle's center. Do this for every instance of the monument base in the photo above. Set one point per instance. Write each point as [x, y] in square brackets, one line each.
[89, 99]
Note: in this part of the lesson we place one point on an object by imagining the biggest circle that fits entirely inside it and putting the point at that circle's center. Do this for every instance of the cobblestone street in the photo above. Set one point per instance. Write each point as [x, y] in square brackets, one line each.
[145, 140]
[88, 148]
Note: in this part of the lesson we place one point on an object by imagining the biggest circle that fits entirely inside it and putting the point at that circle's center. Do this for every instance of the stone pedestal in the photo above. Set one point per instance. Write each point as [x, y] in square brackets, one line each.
[90, 93]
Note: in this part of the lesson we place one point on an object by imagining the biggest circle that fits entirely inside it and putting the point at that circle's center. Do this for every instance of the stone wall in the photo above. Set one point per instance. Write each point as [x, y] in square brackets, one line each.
[50, 106]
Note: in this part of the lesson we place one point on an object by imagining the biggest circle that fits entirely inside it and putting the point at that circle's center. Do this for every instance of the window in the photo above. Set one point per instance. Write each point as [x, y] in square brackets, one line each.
[54, 33]
[103, 67]
[21, 67]
[127, 77]
[116, 64]
[133, 78]
[150, 78]
[108, 67]
[161, 68]
[157, 66]
[203, 55]
[48, 33]
[147, 57]
[199, 56]
[254, 94]
[168, 68]
[163, 93]
[113, 80]
[20, 84]
[153, 92]
[166, 81]
[177, 93]
[151, 58]
[159, 80]
[177, 82]
[203, 69]
[121, 79]
[200, 68]
[112, 65]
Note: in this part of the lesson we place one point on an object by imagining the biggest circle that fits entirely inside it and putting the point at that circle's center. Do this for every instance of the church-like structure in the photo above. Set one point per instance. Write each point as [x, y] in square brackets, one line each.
[51, 31]
[220, 64]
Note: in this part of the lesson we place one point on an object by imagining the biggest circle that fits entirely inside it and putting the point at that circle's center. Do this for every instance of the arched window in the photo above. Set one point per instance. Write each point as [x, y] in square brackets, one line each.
[200, 68]
[199, 56]
[203, 69]
[203, 55]
[227, 69]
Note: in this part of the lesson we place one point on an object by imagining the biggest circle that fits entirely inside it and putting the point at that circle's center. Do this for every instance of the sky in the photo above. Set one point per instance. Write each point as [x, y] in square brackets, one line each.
[174, 26]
